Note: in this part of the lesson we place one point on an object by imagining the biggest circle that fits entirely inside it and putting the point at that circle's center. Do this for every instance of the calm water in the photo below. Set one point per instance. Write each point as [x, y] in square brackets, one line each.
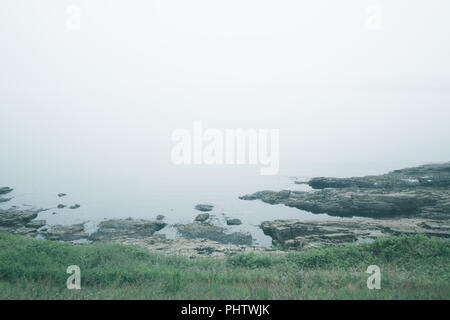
[110, 151]
[101, 198]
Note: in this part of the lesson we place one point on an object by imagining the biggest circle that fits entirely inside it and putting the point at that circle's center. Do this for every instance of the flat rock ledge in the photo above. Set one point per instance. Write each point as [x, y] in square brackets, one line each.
[141, 233]
[66, 233]
[205, 230]
[304, 234]
[204, 207]
[119, 228]
[419, 192]
[193, 248]
[20, 222]
[5, 190]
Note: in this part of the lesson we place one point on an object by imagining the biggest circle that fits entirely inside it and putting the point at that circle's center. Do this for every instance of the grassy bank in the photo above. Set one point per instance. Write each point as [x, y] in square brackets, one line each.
[412, 267]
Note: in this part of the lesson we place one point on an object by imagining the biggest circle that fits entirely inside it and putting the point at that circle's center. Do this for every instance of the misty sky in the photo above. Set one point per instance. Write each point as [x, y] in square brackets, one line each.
[347, 99]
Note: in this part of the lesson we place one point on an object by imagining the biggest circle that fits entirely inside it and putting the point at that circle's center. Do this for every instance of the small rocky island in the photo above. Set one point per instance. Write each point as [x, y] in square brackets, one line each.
[412, 200]
[407, 201]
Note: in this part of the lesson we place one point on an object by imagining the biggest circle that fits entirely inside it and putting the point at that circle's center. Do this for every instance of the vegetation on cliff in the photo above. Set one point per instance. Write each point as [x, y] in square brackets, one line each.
[412, 267]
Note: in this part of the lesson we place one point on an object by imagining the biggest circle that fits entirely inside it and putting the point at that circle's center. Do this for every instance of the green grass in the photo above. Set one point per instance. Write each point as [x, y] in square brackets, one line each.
[412, 267]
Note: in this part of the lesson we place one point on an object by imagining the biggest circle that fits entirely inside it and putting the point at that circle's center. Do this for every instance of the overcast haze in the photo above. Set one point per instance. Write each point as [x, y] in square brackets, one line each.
[105, 99]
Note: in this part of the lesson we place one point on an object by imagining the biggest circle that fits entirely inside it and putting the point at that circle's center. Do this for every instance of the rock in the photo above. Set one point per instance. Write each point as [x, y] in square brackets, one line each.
[303, 234]
[198, 230]
[24, 231]
[12, 217]
[36, 224]
[201, 230]
[271, 197]
[398, 193]
[233, 222]
[62, 195]
[364, 203]
[75, 206]
[4, 199]
[431, 175]
[193, 248]
[60, 206]
[118, 228]
[160, 217]
[376, 203]
[66, 232]
[202, 217]
[5, 190]
[20, 222]
[204, 207]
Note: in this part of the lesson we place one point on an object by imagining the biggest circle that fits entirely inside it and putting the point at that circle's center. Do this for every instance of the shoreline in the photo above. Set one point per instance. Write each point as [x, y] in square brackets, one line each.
[407, 201]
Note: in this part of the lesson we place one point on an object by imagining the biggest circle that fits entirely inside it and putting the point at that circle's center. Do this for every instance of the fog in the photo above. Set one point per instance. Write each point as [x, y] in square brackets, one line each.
[103, 101]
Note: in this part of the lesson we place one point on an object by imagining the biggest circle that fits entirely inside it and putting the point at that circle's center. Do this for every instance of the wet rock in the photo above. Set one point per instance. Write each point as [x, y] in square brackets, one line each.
[199, 230]
[36, 224]
[75, 206]
[303, 234]
[160, 217]
[5, 190]
[234, 222]
[431, 175]
[62, 195]
[66, 232]
[117, 228]
[204, 207]
[202, 217]
[61, 206]
[364, 203]
[12, 217]
[376, 203]
[193, 248]
[4, 199]
[24, 231]
[20, 222]
[272, 197]
[400, 193]
[436, 225]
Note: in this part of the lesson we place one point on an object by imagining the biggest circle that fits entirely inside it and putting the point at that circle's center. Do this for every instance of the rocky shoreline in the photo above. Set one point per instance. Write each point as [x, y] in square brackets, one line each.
[198, 238]
[407, 201]
[415, 192]
[305, 234]
[412, 200]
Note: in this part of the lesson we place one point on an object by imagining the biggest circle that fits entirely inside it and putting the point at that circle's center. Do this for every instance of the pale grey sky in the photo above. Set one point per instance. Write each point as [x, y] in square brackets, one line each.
[110, 94]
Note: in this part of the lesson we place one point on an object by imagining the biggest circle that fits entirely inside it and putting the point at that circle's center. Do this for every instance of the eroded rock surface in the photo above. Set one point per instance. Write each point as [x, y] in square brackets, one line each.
[66, 232]
[202, 217]
[191, 247]
[16, 218]
[204, 207]
[199, 230]
[431, 175]
[20, 222]
[303, 234]
[415, 192]
[234, 222]
[116, 228]
[5, 190]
